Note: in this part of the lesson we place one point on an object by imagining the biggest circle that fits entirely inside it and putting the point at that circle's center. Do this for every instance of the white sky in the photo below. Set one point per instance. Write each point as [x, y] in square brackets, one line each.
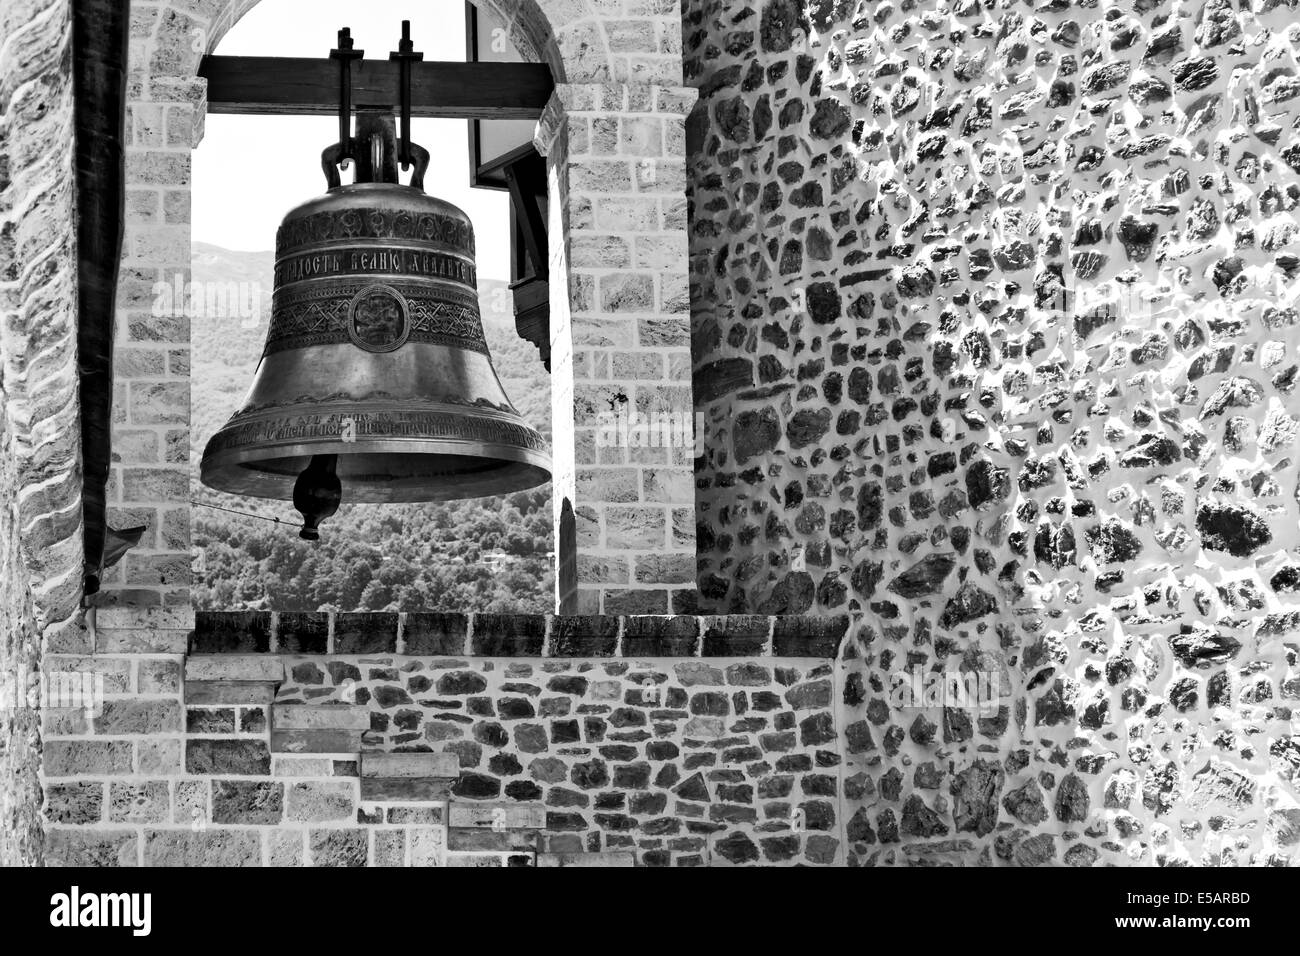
[250, 170]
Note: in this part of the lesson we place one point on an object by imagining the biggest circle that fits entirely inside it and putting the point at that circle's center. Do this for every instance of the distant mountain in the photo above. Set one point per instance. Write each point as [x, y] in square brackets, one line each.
[478, 554]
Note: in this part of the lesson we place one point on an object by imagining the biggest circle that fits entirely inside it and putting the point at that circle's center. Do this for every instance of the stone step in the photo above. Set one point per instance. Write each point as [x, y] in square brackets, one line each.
[303, 728]
[407, 776]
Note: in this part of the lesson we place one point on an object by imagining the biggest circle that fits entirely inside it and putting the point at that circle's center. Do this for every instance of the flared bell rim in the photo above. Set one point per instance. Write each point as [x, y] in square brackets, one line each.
[269, 471]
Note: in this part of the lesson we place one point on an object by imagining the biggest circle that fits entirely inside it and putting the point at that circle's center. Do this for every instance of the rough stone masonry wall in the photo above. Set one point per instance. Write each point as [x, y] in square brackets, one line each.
[40, 501]
[679, 740]
[994, 338]
[20, 741]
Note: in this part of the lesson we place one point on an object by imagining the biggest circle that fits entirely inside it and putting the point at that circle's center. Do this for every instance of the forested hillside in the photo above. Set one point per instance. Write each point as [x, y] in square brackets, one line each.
[487, 554]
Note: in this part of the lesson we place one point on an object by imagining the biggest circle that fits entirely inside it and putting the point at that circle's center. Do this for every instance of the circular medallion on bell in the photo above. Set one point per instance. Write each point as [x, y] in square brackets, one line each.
[378, 319]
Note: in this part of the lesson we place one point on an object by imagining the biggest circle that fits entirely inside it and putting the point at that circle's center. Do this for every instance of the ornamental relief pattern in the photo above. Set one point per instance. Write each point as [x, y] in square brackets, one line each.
[319, 315]
[375, 224]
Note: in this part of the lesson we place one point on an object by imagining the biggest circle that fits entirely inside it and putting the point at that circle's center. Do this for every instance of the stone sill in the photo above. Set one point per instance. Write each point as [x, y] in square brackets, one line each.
[437, 634]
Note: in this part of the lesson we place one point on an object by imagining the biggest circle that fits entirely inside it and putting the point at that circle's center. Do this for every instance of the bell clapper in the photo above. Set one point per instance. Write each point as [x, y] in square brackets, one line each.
[317, 494]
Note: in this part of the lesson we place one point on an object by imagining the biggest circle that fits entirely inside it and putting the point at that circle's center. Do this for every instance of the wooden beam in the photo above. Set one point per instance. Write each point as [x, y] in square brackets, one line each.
[268, 84]
[100, 37]
[526, 179]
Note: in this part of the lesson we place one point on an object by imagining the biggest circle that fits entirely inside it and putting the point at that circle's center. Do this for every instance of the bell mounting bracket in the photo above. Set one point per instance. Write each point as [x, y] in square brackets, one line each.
[372, 147]
[405, 55]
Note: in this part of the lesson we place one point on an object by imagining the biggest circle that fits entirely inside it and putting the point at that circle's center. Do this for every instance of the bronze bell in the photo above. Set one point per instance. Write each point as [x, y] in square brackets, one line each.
[375, 384]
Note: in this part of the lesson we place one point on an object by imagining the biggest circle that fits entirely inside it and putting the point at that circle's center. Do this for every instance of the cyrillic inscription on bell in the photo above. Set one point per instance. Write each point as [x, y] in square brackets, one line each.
[375, 375]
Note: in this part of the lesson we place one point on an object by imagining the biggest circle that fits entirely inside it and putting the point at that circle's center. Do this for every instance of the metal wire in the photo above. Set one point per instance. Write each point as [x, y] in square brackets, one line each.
[246, 514]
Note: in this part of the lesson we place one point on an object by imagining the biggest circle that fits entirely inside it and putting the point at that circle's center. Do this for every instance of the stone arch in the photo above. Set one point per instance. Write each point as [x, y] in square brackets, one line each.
[614, 137]
[567, 35]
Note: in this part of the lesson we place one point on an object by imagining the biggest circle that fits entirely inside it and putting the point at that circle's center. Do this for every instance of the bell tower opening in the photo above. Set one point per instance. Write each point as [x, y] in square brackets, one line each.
[392, 399]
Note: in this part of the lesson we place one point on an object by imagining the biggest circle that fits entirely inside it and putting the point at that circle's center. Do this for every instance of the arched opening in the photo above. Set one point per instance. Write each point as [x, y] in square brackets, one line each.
[493, 552]
[612, 134]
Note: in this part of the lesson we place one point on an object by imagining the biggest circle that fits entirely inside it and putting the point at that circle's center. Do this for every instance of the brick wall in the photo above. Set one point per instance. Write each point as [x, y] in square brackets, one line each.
[621, 355]
[598, 741]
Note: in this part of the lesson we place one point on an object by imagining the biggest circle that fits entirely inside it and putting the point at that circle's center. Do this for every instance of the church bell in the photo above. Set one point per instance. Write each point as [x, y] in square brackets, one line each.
[375, 384]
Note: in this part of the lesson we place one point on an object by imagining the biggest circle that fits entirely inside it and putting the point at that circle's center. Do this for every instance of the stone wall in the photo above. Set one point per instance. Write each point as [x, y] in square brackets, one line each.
[607, 741]
[994, 345]
[993, 338]
[20, 657]
[40, 499]
[249, 738]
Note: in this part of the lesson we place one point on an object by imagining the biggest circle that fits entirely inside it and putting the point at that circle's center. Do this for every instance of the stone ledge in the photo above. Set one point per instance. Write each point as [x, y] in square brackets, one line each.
[232, 679]
[434, 634]
[240, 667]
[494, 816]
[229, 692]
[302, 728]
[483, 840]
[407, 776]
[615, 858]
[478, 860]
